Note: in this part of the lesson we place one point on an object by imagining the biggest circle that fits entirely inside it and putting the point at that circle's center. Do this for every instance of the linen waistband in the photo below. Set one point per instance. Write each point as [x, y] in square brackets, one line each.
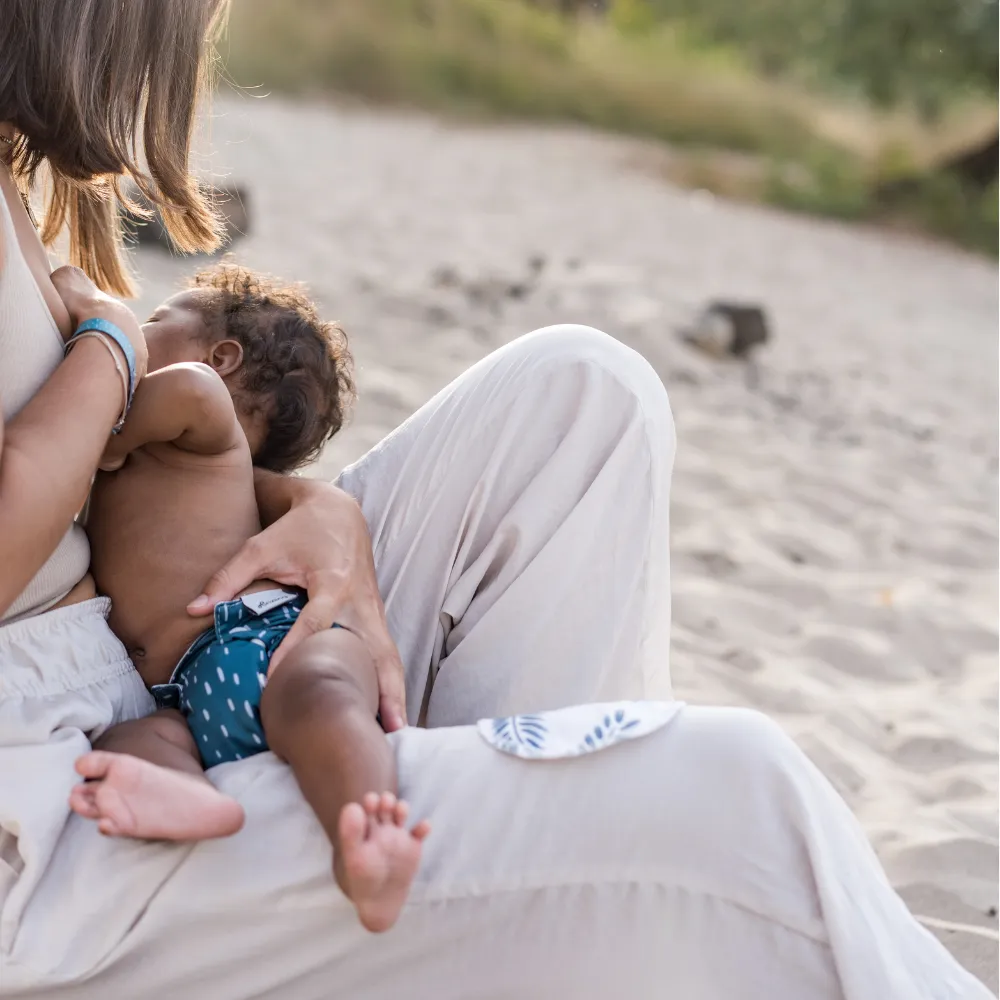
[62, 650]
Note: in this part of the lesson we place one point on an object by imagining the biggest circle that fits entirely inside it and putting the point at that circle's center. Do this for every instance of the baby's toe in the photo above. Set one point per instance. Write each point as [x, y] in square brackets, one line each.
[352, 825]
[387, 807]
[400, 813]
[95, 764]
[109, 827]
[82, 801]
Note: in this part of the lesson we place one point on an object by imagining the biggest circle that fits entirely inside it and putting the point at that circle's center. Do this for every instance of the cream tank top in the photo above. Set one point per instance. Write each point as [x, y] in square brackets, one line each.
[31, 348]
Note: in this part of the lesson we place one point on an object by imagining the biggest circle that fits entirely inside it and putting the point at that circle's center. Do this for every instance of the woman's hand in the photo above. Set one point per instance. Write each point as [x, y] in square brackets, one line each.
[84, 300]
[318, 542]
[114, 455]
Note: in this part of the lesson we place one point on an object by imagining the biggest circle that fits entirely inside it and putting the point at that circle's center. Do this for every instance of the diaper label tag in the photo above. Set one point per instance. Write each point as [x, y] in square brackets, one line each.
[267, 600]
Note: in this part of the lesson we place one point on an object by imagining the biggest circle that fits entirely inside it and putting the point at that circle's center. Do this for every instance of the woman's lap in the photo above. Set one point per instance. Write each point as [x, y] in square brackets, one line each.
[607, 852]
[709, 856]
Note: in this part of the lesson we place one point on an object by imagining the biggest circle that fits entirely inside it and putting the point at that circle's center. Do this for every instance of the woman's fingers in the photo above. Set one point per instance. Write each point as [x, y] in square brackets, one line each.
[249, 564]
[326, 608]
[391, 686]
[365, 617]
[321, 545]
[374, 630]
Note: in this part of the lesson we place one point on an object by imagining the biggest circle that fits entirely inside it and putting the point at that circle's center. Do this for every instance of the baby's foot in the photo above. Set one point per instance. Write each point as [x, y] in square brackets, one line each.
[378, 857]
[130, 797]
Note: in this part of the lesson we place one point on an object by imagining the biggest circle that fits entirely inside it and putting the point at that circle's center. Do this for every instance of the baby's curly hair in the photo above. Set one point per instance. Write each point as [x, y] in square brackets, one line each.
[296, 368]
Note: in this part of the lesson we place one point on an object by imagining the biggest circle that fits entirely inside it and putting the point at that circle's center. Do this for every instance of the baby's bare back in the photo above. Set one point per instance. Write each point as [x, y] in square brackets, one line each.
[159, 528]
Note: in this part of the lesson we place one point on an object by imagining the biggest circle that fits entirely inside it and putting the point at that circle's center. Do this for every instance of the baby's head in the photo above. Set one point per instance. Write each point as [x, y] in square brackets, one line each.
[289, 373]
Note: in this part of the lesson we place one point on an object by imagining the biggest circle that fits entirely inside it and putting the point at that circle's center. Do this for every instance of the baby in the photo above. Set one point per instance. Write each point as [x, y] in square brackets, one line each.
[242, 373]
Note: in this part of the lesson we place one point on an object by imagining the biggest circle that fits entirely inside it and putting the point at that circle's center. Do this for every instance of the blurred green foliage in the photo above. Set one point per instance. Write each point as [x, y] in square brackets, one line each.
[893, 50]
[510, 58]
[797, 84]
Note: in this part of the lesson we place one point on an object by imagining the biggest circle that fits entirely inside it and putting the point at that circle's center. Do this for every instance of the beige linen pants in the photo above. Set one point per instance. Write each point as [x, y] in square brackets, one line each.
[520, 530]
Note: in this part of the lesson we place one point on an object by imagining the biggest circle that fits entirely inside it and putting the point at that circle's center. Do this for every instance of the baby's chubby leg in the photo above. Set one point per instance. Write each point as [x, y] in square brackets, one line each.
[145, 780]
[318, 711]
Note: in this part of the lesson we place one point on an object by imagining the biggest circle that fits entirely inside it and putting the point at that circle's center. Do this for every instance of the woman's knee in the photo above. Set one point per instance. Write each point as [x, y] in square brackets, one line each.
[570, 345]
[580, 368]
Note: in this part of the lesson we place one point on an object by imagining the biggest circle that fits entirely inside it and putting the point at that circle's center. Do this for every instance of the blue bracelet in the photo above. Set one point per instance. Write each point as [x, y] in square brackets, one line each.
[110, 330]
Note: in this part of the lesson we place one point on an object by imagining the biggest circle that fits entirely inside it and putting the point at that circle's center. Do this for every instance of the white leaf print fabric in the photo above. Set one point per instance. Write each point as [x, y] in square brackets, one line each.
[581, 729]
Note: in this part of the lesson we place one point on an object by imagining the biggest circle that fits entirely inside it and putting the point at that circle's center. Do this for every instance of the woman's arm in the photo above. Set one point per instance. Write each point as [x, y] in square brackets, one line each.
[50, 450]
[276, 494]
[48, 454]
[317, 538]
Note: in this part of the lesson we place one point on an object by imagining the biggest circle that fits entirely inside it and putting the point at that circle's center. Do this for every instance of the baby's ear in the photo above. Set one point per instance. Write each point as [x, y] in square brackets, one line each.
[226, 356]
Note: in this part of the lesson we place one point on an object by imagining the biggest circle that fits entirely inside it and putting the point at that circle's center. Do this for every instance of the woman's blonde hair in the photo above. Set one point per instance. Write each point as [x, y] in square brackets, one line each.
[84, 82]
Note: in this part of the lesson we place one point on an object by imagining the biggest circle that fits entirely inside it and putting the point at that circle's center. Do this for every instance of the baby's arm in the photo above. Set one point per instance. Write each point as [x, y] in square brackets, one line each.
[187, 405]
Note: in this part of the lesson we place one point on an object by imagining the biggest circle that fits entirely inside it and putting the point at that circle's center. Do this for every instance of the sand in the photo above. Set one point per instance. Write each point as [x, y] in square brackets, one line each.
[835, 501]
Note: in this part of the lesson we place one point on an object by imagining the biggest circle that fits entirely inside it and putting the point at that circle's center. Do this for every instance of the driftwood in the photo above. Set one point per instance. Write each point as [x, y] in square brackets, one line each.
[728, 329]
[231, 202]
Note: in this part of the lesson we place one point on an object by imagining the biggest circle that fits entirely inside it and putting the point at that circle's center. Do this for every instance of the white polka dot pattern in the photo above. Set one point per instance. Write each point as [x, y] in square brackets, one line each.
[223, 711]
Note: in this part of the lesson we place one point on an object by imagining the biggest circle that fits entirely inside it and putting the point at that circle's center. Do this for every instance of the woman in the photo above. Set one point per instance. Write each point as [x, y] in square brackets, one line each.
[518, 523]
